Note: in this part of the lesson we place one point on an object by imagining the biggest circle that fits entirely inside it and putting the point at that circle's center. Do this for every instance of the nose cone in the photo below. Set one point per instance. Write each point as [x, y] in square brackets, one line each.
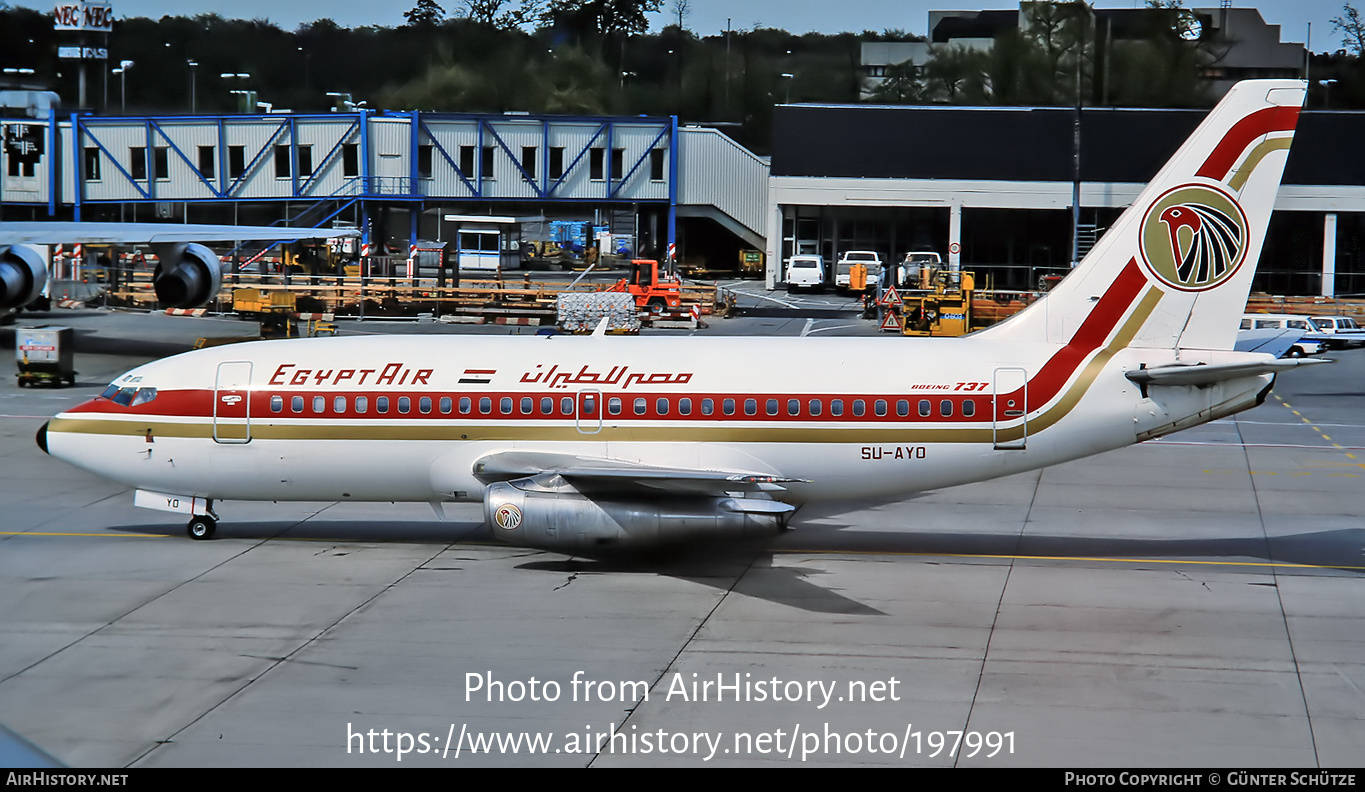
[42, 437]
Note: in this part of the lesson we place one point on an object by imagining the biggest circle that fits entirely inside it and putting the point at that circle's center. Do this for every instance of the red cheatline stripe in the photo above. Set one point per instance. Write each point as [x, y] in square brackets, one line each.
[1106, 315]
[1261, 122]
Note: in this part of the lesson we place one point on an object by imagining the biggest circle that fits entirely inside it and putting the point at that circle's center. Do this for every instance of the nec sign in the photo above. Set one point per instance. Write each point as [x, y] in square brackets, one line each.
[84, 16]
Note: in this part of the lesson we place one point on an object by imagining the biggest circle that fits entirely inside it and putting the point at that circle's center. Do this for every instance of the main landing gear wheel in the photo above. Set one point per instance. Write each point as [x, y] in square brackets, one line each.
[202, 527]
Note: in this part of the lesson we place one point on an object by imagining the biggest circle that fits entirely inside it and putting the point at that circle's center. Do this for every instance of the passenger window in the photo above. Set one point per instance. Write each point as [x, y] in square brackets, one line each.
[505, 405]
[339, 404]
[880, 406]
[751, 406]
[707, 406]
[276, 404]
[772, 406]
[486, 405]
[859, 408]
[902, 407]
[424, 405]
[684, 406]
[381, 405]
[319, 404]
[945, 408]
[968, 407]
[446, 404]
[793, 406]
[466, 404]
[836, 407]
[728, 406]
[361, 404]
[640, 406]
[566, 406]
[661, 405]
[925, 408]
[547, 405]
[614, 405]
[527, 405]
[404, 404]
[814, 407]
[296, 404]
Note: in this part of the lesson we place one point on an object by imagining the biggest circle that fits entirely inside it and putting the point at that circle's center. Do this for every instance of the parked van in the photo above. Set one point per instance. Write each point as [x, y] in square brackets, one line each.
[1304, 346]
[805, 272]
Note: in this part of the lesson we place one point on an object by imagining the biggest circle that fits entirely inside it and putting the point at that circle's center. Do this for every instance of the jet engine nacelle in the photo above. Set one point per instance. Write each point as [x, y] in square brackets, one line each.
[22, 276]
[561, 518]
[187, 275]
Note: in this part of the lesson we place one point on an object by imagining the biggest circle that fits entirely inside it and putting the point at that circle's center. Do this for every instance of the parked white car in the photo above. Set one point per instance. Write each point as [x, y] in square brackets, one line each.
[844, 268]
[1342, 331]
[805, 272]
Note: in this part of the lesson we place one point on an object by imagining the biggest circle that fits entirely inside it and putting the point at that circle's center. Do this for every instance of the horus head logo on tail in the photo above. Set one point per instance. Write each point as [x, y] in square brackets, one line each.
[1194, 237]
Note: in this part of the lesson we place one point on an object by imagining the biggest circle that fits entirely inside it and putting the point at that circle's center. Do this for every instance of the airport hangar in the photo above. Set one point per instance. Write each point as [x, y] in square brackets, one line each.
[990, 187]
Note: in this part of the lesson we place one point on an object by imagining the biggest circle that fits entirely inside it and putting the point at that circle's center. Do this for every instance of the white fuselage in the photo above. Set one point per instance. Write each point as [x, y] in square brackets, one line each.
[846, 418]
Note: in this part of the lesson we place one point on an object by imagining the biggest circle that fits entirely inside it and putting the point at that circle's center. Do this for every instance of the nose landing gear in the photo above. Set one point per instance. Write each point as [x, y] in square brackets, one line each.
[203, 526]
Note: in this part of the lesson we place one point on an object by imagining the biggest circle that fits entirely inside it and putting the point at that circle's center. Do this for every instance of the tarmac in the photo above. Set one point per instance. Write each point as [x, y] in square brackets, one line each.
[1197, 601]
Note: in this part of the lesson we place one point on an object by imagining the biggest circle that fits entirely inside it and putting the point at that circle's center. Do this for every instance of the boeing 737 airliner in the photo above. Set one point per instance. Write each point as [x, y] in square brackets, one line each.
[576, 442]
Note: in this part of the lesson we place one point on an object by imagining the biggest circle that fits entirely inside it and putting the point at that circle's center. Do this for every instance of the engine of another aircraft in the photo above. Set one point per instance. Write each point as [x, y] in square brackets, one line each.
[547, 512]
[187, 275]
[22, 276]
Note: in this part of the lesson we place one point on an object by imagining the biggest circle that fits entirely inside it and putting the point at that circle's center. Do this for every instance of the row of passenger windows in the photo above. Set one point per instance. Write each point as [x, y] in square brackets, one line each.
[528, 405]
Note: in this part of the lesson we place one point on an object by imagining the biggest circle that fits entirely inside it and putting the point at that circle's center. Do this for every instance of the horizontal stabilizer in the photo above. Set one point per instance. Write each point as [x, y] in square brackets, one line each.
[1210, 373]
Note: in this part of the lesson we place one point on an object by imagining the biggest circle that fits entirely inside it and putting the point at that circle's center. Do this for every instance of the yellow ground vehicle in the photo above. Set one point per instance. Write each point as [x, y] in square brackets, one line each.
[945, 309]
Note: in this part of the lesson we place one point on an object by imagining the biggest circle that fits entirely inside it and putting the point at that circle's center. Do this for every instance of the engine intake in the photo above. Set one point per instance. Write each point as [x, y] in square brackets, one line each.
[22, 276]
[529, 513]
[187, 275]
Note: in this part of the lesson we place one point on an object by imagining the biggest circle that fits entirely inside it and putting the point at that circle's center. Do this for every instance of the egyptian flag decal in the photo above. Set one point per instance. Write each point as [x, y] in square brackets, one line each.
[477, 376]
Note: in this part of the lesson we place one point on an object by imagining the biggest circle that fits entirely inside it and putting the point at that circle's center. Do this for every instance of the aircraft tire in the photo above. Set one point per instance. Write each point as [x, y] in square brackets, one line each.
[201, 528]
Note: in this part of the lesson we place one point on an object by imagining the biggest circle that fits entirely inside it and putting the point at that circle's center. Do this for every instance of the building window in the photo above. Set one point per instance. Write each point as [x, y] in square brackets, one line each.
[282, 165]
[236, 161]
[92, 164]
[656, 164]
[137, 162]
[486, 167]
[618, 163]
[161, 162]
[528, 161]
[305, 154]
[596, 162]
[424, 154]
[556, 161]
[350, 160]
[207, 162]
[467, 161]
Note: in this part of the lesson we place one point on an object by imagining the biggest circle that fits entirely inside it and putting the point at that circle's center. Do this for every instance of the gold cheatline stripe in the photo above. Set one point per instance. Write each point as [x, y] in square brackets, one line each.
[738, 434]
[1240, 176]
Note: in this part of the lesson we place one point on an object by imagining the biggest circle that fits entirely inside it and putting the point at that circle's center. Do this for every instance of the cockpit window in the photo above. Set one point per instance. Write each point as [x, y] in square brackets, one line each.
[128, 397]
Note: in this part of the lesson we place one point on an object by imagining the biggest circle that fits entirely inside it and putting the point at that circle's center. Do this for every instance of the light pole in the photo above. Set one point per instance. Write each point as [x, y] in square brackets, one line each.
[789, 77]
[122, 72]
[193, 103]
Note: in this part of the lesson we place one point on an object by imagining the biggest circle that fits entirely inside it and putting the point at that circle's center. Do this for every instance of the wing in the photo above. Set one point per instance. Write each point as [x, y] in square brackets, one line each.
[610, 475]
[129, 233]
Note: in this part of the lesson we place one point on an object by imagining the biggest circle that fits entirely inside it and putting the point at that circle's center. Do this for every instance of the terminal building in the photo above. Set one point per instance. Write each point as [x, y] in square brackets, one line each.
[990, 188]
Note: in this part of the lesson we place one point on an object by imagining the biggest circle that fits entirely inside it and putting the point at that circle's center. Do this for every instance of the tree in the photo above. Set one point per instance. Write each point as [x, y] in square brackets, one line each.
[681, 9]
[484, 12]
[606, 17]
[1352, 29]
[425, 14]
[900, 85]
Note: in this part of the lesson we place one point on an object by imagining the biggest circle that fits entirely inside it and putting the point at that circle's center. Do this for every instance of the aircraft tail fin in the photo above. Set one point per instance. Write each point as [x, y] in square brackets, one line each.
[1174, 271]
